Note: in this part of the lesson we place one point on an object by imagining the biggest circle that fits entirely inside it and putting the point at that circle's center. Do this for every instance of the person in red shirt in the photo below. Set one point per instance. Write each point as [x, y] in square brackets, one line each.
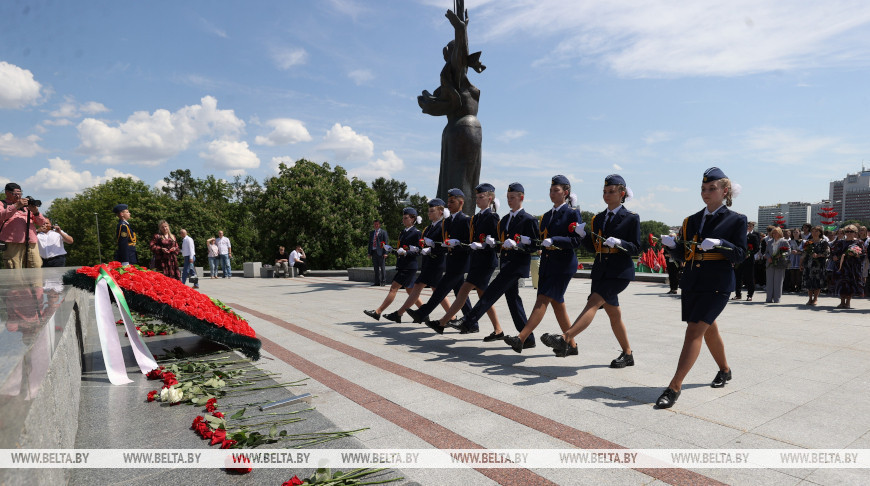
[19, 218]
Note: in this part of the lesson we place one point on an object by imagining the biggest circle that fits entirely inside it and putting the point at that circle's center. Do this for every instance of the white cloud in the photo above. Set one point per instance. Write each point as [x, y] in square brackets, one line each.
[286, 131]
[276, 161]
[346, 144]
[617, 167]
[348, 7]
[60, 176]
[59, 122]
[233, 156]
[11, 146]
[211, 28]
[386, 166]
[361, 76]
[787, 147]
[665, 188]
[151, 139]
[287, 57]
[70, 109]
[509, 135]
[160, 184]
[671, 38]
[657, 137]
[17, 87]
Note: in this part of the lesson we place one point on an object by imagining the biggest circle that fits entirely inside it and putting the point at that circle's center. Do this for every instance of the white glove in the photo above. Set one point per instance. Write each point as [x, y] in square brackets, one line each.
[490, 241]
[669, 241]
[388, 248]
[401, 252]
[428, 242]
[580, 229]
[525, 240]
[611, 241]
[413, 249]
[547, 243]
[426, 251]
[476, 246]
[709, 243]
[508, 244]
[452, 242]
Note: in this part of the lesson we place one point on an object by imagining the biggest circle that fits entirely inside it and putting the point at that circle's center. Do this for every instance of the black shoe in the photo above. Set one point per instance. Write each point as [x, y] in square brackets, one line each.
[393, 316]
[668, 398]
[458, 324]
[737, 297]
[435, 326]
[417, 316]
[514, 343]
[469, 329]
[529, 344]
[374, 285]
[554, 341]
[494, 337]
[374, 315]
[722, 377]
[566, 351]
[623, 360]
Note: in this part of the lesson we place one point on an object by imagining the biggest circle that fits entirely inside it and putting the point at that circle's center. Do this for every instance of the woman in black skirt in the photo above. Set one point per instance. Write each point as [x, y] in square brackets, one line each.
[710, 242]
[406, 261]
[558, 262]
[433, 263]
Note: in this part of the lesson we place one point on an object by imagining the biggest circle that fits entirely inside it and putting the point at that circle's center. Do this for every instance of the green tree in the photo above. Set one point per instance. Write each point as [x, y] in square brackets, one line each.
[657, 229]
[78, 216]
[319, 208]
[392, 197]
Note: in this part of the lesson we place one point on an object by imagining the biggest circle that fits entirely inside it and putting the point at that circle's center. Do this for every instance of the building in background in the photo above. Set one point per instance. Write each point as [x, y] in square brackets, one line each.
[851, 196]
[795, 214]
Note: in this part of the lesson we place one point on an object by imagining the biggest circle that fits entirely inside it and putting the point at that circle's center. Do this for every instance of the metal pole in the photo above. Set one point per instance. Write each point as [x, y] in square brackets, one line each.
[99, 245]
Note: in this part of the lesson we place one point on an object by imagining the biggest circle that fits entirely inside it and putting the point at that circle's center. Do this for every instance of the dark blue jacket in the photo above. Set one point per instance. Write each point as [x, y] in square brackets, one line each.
[624, 225]
[382, 239]
[518, 260]
[407, 238]
[483, 224]
[437, 256]
[457, 227]
[554, 225]
[126, 239]
[712, 275]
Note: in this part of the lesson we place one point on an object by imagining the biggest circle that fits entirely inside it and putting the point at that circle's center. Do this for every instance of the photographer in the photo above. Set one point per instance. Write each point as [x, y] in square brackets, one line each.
[19, 219]
[51, 241]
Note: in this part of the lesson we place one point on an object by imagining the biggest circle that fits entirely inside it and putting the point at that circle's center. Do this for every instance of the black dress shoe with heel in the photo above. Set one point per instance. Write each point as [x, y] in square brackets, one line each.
[515, 343]
[554, 341]
[393, 316]
[373, 314]
[494, 337]
[623, 360]
[668, 398]
[568, 350]
[435, 326]
[722, 377]
[416, 315]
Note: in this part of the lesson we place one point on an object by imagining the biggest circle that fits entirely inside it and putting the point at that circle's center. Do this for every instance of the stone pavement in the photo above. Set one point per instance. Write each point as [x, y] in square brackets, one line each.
[800, 381]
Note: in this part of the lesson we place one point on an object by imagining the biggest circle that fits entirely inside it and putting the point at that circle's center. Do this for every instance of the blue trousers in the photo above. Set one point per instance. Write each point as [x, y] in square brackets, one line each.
[450, 281]
[505, 283]
[187, 269]
[225, 263]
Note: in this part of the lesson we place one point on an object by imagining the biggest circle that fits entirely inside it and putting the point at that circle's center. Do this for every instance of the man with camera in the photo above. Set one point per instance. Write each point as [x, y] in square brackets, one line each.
[19, 218]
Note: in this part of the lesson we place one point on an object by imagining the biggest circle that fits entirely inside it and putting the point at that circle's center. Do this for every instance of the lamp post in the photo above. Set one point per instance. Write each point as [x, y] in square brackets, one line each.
[99, 245]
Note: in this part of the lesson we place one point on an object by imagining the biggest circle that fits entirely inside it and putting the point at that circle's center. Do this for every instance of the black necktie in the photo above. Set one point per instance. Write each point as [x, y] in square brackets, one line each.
[607, 220]
[704, 222]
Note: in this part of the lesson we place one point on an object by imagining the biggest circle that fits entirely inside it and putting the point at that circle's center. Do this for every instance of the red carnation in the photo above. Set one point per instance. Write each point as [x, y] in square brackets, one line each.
[651, 240]
[228, 443]
[572, 227]
[198, 420]
[151, 395]
[218, 436]
[218, 414]
[294, 481]
[155, 374]
[169, 379]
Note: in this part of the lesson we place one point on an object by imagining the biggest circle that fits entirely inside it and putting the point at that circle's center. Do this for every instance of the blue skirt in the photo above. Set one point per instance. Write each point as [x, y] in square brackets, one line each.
[480, 277]
[405, 278]
[431, 273]
[554, 286]
[609, 288]
[703, 306]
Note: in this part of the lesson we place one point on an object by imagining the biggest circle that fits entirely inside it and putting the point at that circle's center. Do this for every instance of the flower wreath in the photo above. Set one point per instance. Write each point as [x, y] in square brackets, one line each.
[171, 301]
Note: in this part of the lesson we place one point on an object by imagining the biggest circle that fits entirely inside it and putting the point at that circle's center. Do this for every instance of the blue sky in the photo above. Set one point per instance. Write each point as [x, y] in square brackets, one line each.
[775, 93]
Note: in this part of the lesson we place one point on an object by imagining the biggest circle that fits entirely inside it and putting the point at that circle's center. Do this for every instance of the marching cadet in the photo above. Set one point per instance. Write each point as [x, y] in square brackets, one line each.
[125, 236]
[433, 261]
[558, 262]
[406, 261]
[516, 231]
[615, 238]
[710, 242]
[456, 239]
[483, 261]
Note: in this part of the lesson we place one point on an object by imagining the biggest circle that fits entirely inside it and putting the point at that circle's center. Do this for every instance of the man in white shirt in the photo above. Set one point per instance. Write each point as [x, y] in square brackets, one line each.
[225, 251]
[188, 254]
[297, 260]
[51, 240]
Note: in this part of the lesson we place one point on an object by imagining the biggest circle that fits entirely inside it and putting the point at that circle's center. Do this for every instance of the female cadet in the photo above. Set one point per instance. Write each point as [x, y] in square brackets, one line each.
[712, 240]
[558, 262]
[483, 226]
[615, 238]
[433, 261]
[406, 261]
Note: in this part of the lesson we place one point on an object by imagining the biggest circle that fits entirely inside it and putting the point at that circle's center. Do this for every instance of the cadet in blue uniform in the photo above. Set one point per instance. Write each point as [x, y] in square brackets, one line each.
[407, 250]
[433, 261]
[558, 262]
[615, 238]
[456, 239]
[516, 231]
[125, 236]
[711, 242]
[484, 225]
